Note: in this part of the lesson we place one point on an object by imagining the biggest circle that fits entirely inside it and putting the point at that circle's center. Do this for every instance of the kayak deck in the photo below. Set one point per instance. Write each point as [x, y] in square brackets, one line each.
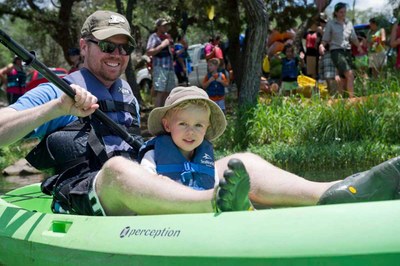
[345, 234]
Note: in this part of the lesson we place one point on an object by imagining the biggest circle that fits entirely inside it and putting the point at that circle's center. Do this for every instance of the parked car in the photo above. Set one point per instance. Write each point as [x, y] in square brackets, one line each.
[199, 64]
[34, 77]
[143, 79]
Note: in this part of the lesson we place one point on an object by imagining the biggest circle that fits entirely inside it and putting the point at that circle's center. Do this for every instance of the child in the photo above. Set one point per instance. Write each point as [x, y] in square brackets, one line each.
[184, 128]
[215, 82]
[290, 69]
[183, 152]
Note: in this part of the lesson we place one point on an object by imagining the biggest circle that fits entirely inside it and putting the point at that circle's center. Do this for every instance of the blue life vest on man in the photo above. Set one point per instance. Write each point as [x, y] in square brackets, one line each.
[88, 139]
[215, 88]
[199, 173]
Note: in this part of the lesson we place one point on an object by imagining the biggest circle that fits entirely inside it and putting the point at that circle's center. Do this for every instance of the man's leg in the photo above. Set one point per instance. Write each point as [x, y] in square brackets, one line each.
[272, 186]
[349, 82]
[124, 188]
[161, 96]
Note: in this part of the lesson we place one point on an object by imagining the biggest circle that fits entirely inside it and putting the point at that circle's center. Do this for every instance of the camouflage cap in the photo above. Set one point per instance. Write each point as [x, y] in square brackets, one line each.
[104, 24]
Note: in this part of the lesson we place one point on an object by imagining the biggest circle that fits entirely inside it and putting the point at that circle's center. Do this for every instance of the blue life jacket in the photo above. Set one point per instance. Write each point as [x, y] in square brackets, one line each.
[199, 173]
[215, 88]
[88, 139]
[290, 68]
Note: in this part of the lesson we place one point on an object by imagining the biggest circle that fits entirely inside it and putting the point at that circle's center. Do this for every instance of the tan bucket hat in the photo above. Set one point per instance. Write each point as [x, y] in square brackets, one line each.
[179, 95]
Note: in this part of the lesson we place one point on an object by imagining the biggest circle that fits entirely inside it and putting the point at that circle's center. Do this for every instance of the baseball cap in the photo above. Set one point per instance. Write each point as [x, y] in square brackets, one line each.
[161, 22]
[104, 24]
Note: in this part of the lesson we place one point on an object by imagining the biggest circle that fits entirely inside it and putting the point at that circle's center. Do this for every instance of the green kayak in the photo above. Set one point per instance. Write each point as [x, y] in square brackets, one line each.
[343, 234]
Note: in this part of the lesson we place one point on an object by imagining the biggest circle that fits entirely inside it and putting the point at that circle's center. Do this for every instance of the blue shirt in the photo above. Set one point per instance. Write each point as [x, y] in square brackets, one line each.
[44, 93]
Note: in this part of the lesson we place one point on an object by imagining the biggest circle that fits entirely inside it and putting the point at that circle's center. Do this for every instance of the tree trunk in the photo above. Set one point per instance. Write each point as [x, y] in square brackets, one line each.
[234, 54]
[129, 72]
[256, 36]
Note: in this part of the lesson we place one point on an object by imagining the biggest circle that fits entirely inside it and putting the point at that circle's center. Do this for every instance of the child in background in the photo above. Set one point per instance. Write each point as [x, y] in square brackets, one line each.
[290, 69]
[214, 83]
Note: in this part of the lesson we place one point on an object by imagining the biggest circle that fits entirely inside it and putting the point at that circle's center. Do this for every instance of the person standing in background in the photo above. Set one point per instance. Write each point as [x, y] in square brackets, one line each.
[376, 38]
[182, 61]
[14, 76]
[160, 48]
[75, 58]
[395, 41]
[313, 38]
[214, 83]
[339, 33]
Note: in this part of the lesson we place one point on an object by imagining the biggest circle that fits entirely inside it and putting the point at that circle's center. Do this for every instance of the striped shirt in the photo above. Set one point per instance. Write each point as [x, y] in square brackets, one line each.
[164, 62]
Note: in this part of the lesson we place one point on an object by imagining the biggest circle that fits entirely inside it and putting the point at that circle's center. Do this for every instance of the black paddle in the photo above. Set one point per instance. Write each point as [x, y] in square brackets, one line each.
[30, 59]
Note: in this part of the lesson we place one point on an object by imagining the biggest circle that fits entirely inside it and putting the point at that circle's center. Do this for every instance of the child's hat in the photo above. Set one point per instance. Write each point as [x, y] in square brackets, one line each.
[179, 95]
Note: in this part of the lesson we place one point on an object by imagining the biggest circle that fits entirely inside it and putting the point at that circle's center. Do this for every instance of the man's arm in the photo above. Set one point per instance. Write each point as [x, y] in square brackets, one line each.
[151, 51]
[15, 125]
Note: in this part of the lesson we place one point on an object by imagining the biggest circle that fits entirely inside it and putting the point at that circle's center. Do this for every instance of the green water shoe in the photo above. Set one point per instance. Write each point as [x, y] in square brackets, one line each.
[233, 193]
[379, 183]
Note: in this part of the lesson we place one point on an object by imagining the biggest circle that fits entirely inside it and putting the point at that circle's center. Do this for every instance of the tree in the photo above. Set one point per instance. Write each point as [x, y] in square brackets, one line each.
[59, 22]
[256, 36]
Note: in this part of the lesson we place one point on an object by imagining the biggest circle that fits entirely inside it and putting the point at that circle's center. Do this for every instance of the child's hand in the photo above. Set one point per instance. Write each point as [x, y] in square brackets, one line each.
[302, 55]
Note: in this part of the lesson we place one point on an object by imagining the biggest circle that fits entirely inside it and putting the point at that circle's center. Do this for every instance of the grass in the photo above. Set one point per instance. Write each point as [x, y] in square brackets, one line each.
[311, 134]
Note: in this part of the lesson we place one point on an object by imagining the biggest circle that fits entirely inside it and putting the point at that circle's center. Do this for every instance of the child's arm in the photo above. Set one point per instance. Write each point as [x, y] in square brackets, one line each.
[301, 60]
[223, 80]
[148, 162]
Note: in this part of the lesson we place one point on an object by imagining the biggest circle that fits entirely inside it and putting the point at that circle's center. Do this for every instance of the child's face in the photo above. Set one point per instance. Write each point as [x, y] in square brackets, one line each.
[212, 67]
[187, 127]
[289, 53]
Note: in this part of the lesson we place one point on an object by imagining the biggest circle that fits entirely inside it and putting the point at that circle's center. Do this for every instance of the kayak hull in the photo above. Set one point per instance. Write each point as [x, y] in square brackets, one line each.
[345, 234]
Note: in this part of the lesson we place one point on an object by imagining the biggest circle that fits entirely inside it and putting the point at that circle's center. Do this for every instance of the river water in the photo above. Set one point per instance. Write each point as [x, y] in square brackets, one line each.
[8, 183]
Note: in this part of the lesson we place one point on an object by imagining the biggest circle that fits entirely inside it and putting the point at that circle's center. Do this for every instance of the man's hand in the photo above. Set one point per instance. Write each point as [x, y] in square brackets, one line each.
[83, 104]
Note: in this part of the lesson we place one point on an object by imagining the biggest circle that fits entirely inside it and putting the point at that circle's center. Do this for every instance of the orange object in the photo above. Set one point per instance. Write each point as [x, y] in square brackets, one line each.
[275, 48]
[274, 37]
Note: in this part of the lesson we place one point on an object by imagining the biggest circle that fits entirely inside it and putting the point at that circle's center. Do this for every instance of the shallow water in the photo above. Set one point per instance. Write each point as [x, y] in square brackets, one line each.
[8, 183]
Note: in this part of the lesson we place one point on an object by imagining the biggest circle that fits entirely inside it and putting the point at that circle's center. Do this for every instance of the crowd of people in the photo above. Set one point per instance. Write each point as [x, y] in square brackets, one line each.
[98, 173]
[333, 52]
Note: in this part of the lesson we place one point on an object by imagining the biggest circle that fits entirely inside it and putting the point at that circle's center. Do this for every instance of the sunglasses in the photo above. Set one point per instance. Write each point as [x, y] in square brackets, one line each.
[109, 47]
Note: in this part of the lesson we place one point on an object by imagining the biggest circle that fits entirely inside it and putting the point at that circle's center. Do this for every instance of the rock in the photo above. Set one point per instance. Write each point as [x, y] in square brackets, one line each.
[21, 168]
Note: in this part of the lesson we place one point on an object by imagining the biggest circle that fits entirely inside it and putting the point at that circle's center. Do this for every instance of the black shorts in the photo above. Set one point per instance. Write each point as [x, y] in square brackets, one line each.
[342, 60]
[73, 191]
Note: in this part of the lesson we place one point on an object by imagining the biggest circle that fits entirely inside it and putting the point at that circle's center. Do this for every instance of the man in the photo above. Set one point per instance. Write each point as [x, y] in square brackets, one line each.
[14, 76]
[159, 47]
[94, 174]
